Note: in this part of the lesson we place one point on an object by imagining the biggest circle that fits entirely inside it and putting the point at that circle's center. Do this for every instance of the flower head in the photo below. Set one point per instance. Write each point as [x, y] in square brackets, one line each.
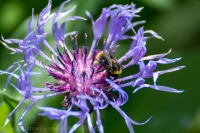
[86, 77]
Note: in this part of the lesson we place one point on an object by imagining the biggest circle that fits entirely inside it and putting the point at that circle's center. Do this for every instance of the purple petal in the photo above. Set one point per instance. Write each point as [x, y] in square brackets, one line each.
[129, 121]
[13, 111]
[138, 39]
[89, 16]
[98, 29]
[138, 23]
[123, 96]
[154, 34]
[52, 113]
[82, 104]
[157, 56]
[15, 50]
[138, 82]
[167, 61]
[20, 123]
[147, 71]
[4, 72]
[90, 126]
[10, 75]
[156, 74]
[23, 93]
[98, 121]
[59, 32]
[160, 88]
[99, 25]
[43, 18]
[135, 53]
[138, 54]
[11, 40]
[62, 126]
[78, 124]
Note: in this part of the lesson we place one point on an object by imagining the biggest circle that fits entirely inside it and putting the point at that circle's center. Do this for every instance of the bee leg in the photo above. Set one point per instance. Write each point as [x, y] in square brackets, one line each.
[110, 77]
[115, 78]
[98, 71]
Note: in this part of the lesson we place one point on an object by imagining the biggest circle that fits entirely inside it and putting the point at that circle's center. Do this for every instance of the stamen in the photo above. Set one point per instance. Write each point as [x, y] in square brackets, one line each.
[85, 48]
[53, 57]
[94, 56]
[92, 72]
[95, 48]
[72, 69]
[85, 54]
[72, 43]
[115, 48]
[97, 42]
[75, 58]
[61, 61]
[85, 42]
[84, 76]
[76, 43]
[58, 50]
[104, 43]
[66, 53]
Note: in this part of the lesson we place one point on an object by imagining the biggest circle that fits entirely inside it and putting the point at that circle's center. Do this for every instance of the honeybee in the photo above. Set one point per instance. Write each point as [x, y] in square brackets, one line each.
[107, 60]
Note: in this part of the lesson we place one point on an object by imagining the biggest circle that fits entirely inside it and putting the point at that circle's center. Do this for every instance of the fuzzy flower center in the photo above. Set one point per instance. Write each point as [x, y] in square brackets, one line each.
[76, 73]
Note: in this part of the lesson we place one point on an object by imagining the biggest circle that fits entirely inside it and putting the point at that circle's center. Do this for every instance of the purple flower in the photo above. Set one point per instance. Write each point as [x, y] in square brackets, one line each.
[87, 78]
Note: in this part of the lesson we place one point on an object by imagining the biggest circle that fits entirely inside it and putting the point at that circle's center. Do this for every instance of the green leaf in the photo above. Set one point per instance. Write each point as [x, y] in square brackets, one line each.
[5, 110]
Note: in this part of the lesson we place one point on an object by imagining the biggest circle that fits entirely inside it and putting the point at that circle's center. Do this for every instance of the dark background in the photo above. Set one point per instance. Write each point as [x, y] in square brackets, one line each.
[177, 21]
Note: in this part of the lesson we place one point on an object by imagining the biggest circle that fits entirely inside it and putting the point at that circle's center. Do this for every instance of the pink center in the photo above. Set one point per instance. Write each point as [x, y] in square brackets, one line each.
[77, 75]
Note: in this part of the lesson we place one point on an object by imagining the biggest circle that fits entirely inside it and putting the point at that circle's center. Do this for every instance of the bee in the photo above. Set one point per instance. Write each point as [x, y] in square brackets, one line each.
[107, 60]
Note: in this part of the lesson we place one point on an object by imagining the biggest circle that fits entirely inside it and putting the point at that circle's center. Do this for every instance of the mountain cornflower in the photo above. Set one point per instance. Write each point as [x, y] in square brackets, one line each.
[86, 77]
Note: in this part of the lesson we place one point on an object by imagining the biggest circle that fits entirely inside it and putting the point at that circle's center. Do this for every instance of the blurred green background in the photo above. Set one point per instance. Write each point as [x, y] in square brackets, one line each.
[177, 21]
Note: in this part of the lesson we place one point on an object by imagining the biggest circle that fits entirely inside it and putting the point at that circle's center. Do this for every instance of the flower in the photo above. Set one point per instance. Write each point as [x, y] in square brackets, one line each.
[87, 78]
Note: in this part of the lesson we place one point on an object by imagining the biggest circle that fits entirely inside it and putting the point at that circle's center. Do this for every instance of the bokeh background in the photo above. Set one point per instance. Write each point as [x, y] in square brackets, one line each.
[177, 21]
